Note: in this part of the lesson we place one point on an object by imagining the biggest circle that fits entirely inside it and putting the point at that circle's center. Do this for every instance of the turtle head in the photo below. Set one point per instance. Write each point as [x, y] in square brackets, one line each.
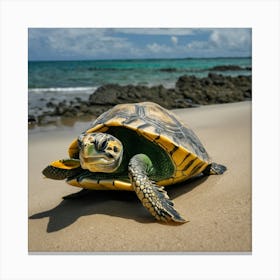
[100, 152]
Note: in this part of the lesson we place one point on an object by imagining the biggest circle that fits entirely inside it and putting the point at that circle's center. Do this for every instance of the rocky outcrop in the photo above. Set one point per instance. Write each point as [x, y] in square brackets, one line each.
[189, 91]
[214, 89]
[113, 94]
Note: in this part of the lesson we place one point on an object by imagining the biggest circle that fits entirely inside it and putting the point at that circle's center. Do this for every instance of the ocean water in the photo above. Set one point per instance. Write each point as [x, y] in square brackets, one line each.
[62, 80]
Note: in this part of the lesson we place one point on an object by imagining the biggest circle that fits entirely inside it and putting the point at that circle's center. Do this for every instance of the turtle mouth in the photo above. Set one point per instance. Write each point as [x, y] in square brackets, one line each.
[100, 163]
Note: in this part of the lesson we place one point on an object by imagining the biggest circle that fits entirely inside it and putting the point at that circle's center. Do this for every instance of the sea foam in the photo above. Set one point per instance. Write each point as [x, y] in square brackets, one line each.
[85, 90]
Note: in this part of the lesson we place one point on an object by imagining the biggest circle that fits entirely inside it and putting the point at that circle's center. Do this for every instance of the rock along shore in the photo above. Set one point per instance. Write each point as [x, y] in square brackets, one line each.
[189, 91]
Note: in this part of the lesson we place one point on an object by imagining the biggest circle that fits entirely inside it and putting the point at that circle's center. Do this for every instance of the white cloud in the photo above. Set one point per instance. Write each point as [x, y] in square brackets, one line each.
[79, 42]
[231, 38]
[223, 42]
[156, 31]
[92, 43]
[156, 48]
[174, 40]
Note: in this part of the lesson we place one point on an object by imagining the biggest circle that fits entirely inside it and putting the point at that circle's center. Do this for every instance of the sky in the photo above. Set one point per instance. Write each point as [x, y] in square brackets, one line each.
[137, 43]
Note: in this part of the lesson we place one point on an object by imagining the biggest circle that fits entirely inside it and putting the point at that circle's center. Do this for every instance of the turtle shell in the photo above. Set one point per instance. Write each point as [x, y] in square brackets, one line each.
[160, 126]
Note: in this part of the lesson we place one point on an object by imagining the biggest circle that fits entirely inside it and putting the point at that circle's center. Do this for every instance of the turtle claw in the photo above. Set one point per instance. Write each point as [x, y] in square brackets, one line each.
[163, 206]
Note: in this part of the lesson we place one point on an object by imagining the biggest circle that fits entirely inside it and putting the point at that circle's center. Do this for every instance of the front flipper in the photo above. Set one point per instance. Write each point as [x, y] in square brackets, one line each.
[153, 197]
[62, 169]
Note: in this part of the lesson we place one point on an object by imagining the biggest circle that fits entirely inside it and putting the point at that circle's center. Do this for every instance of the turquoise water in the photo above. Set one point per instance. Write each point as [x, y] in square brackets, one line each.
[65, 80]
[90, 74]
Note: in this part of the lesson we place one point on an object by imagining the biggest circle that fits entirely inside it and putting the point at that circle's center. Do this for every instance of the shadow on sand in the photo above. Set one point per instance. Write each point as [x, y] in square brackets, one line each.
[114, 203]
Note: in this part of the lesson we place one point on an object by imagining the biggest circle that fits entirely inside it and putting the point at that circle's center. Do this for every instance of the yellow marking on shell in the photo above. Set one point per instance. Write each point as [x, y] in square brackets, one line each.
[180, 176]
[165, 143]
[189, 170]
[121, 185]
[68, 164]
[87, 184]
[200, 169]
[107, 184]
[179, 155]
[148, 135]
[74, 182]
[97, 128]
[101, 185]
[102, 129]
[187, 160]
[116, 121]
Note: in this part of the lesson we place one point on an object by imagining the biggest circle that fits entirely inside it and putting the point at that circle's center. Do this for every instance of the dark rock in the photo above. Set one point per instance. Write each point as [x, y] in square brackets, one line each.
[84, 108]
[70, 113]
[214, 89]
[31, 119]
[50, 104]
[169, 69]
[226, 68]
[189, 91]
[61, 108]
[112, 94]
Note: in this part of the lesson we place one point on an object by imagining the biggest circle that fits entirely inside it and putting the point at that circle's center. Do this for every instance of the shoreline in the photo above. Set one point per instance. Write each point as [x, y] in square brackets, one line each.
[188, 92]
[218, 207]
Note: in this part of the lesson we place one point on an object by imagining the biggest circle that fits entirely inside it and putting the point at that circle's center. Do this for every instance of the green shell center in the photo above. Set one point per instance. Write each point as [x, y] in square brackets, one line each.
[133, 144]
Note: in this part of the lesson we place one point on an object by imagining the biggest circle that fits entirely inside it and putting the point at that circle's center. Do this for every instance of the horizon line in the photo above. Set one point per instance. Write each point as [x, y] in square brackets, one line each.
[128, 59]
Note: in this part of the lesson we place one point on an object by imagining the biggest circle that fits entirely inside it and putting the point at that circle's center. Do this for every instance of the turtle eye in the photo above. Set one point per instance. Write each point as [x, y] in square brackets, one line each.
[79, 143]
[80, 139]
[103, 145]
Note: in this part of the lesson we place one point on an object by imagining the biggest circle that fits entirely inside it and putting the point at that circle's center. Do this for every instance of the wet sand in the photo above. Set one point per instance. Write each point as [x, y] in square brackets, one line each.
[218, 207]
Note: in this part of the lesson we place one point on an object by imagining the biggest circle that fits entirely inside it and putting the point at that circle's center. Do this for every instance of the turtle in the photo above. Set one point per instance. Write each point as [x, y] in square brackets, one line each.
[140, 147]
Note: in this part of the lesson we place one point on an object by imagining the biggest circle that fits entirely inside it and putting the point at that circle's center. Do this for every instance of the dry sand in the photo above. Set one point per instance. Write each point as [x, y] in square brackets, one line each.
[218, 207]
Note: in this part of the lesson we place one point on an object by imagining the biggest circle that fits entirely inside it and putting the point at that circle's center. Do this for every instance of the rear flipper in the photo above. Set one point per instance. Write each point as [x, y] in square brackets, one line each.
[62, 169]
[214, 169]
[154, 198]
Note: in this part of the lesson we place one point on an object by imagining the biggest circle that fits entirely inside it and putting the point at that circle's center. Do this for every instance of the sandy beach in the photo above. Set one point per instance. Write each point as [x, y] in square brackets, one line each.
[218, 207]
